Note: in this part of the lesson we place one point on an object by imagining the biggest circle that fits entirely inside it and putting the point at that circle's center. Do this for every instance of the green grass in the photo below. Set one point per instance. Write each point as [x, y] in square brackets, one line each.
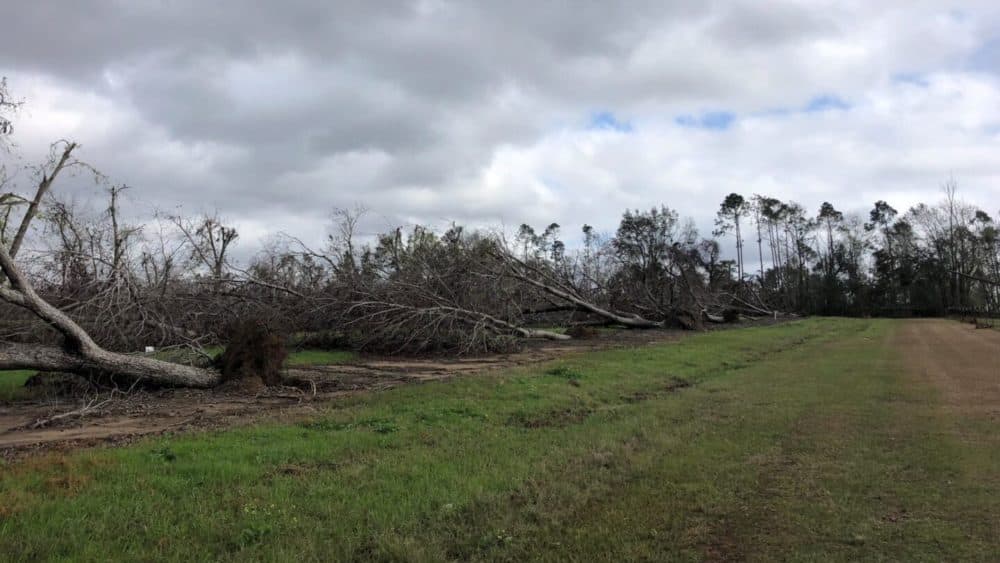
[301, 358]
[802, 441]
[12, 383]
[296, 358]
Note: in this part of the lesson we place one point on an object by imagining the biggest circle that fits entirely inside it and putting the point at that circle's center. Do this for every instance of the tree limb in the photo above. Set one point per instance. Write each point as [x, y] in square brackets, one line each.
[43, 187]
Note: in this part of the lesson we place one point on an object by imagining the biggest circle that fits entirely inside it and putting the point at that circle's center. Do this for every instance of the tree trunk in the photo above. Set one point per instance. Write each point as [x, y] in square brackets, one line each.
[81, 355]
[518, 271]
[43, 188]
[54, 358]
[739, 245]
[760, 251]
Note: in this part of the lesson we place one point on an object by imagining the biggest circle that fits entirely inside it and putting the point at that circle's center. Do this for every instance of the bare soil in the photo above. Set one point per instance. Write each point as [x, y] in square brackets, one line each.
[146, 412]
[958, 359]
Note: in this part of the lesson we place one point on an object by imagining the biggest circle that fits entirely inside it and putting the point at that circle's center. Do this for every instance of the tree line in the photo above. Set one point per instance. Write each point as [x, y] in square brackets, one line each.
[927, 260]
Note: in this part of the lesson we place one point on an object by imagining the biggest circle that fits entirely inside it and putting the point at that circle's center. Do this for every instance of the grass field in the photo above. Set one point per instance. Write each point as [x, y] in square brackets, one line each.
[804, 441]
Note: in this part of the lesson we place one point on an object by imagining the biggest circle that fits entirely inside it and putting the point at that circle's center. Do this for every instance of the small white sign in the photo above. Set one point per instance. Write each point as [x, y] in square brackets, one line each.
[150, 349]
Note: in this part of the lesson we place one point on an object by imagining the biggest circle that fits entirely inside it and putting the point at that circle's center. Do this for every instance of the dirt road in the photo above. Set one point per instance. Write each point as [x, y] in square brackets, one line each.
[961, 361]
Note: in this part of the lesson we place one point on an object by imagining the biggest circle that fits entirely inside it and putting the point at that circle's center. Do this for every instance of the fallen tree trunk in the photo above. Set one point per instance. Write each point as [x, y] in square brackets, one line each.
[633, 321]
[53, 358]
[714, 318]
[465, 316]
[535, 277]
[80, 354]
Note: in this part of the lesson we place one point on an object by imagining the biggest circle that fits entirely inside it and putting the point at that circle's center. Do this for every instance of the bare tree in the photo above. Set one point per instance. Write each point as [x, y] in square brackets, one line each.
[732, 209]
[210, 240]
[48, 176]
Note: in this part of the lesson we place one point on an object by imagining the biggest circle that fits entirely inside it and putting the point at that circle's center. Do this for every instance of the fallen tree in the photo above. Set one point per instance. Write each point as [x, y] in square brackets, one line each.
[541, 276]
[542, 280]
[420, 325]
[79, 354]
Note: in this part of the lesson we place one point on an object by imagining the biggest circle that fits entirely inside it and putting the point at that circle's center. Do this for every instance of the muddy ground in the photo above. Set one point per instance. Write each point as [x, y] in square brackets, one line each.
[144, 412]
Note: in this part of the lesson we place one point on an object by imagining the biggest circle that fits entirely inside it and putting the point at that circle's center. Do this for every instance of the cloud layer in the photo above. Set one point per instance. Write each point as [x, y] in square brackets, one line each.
[506, 112]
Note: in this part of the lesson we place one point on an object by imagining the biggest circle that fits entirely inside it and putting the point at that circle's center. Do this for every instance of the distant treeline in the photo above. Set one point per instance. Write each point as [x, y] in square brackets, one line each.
[926, 261]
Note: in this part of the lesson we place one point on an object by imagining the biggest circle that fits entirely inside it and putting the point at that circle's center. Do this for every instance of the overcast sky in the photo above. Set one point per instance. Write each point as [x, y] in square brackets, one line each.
[503, 112]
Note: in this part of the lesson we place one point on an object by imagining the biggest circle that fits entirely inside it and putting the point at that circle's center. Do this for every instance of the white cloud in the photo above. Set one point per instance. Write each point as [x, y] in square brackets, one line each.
[898, 141]
[478, 112]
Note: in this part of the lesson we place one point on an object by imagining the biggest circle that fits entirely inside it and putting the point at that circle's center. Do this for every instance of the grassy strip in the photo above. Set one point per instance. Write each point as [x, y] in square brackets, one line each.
[795, 442]
[305, 358]
[12, 383]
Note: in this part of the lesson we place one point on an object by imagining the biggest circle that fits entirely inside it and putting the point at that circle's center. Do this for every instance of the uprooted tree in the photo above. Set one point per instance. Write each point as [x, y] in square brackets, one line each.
[475, 291]
[78, 352]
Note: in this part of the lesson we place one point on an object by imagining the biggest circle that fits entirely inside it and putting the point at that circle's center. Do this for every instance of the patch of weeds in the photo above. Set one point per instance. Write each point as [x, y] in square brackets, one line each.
[300, 469]
[464, 412]
[377, 425]
[675, 384]
[254, 534]
[450, 414]
[164, 453]
[69, 484]
[496, 539]
[260, 518]
[382, 426]
[326, 425]
[638, 397]
[556, 418]
[564, 372]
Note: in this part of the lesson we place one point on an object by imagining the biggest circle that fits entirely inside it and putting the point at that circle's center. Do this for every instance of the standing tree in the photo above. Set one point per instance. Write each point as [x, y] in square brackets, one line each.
[830, 218]
[881, 218]
[728, 219]
[757, 208]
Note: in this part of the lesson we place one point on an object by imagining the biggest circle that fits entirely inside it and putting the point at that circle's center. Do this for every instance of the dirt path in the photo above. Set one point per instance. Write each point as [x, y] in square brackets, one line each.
[963, 362]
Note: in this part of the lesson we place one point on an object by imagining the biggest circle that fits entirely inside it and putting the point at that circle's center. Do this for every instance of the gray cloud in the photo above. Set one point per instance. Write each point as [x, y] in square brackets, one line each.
[435, 110]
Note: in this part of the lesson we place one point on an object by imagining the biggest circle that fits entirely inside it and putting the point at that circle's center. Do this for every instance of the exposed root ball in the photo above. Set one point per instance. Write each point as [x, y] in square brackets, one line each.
[583, 332]
[253, 351]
